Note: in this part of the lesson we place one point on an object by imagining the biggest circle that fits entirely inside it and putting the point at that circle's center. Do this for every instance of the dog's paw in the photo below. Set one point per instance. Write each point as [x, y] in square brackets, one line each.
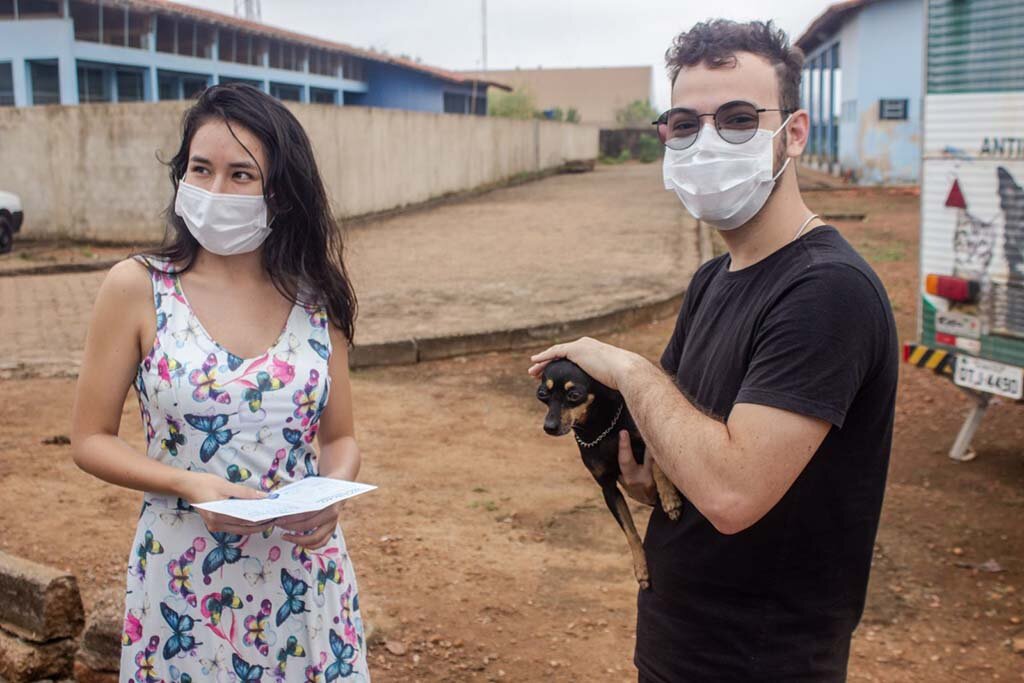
[645, 584]
[674, 513]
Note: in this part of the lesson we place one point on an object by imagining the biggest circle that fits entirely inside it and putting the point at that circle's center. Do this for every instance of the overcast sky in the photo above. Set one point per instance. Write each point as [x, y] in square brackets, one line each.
[523, 33]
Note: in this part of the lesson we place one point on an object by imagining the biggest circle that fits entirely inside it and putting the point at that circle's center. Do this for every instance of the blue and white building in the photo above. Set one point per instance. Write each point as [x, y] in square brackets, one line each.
[78, 51]
[863, 86]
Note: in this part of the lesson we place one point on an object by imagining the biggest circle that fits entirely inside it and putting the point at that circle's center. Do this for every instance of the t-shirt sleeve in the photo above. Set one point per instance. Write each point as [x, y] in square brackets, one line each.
[818, 344]
[674, 350]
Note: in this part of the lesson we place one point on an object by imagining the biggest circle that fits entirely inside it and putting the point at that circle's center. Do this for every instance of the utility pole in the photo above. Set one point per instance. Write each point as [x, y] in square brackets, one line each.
[248, 9]
[483, 15]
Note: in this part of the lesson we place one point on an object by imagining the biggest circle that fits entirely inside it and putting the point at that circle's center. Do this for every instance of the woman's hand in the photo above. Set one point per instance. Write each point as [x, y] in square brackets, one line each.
[311, 529]
[203, 488]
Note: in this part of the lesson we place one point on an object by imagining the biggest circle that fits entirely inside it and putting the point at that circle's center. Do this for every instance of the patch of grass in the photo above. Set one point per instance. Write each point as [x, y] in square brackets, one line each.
[488, 505]
[886, 252]
[623, 157]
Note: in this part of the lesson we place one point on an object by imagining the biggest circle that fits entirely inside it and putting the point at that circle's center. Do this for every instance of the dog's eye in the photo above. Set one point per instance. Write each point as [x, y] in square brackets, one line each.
[575, 396]
[542, 394]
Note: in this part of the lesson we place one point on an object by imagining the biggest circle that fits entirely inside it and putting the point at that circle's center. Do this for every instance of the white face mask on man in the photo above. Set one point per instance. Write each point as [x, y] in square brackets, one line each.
[722, 183]
[225, 224]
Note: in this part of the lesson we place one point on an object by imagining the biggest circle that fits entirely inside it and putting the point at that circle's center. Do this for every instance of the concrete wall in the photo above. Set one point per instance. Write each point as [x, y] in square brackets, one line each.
[91, 171]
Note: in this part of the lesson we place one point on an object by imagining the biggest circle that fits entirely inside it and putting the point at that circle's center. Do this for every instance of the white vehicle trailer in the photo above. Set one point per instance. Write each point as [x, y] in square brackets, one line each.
[971, 315]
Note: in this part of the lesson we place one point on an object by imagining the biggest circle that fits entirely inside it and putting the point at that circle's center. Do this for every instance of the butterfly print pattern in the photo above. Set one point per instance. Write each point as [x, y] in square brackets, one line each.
[204, 606]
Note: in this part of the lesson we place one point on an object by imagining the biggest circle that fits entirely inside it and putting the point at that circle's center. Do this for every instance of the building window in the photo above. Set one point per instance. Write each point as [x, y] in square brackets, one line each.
[176, 86]
[131, 85]
[204, 41]
[165, 30]
[323, 96]
[455, 103]
[324, 63]
[226, 45]
[186, 38]
[168, 88]
[892, 110]
[38, 9]
[352, 68]
[45, 82]
[240, 48]
[286, 91]
[86, 17]
[92, 85]
[285, 56]
[6, 9]
[115, 25]
[138, 30]
[191, 86]
[6, 85]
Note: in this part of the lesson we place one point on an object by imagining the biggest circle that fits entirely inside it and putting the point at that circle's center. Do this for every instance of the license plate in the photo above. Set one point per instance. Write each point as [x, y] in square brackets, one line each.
[989, 376]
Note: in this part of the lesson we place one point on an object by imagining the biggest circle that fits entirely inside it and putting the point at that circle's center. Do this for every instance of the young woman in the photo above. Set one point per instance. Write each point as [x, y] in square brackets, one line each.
[235, 336]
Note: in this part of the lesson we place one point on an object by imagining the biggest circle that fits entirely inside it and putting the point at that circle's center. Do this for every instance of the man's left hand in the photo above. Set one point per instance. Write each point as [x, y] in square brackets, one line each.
[604, 362]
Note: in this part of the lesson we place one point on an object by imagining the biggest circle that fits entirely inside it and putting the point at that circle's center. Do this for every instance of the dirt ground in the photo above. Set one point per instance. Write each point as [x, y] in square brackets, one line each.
[487, 554]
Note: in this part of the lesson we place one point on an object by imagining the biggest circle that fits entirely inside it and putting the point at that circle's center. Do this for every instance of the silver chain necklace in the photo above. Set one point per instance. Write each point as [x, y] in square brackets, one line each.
[801, 230]
[605, 433]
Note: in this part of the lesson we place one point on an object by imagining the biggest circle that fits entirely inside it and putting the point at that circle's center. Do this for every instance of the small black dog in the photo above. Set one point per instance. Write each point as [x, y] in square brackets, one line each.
[597, 414]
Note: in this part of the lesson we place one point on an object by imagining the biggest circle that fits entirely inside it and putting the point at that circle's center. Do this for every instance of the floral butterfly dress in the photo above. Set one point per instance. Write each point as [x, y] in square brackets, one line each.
[204, 606]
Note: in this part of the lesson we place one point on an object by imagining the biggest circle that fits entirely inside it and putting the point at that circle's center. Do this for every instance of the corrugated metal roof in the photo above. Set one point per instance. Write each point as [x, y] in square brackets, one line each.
[975, 46]
[209, 16]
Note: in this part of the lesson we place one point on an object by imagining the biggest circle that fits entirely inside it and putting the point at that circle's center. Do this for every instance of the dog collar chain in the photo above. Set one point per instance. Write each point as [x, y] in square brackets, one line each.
[605, 433]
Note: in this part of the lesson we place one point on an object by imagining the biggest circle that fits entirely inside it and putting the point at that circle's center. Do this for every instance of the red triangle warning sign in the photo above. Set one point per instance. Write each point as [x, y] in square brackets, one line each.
[956, 197]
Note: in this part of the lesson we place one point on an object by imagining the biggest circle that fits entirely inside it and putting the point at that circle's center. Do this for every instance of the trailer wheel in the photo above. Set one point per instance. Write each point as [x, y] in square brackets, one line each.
[6, 235]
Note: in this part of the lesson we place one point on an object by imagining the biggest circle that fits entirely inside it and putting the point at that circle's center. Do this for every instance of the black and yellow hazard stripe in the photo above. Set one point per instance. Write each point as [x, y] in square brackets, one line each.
[936, 360]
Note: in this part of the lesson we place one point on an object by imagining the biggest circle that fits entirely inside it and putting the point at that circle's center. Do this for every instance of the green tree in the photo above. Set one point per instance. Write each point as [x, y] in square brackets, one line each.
[572, 116]
[517, 104]
[636, 114]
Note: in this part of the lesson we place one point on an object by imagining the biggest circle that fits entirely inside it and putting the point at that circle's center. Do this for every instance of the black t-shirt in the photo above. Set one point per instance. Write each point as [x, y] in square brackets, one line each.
[808, 329]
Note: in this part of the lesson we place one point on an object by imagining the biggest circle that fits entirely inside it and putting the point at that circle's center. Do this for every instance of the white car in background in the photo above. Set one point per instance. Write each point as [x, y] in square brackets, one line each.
[11, 217]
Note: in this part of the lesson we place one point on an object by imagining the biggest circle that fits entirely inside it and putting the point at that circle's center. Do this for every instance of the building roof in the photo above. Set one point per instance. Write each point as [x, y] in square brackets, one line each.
[209, 16]
[828, 23]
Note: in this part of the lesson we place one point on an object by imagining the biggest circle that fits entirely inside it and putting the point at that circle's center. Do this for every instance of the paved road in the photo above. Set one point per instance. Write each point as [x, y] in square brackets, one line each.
[564, 247]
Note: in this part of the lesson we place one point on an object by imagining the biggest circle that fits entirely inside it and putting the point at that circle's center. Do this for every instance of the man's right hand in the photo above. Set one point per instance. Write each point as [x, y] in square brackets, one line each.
[203, 488]
[637, 480]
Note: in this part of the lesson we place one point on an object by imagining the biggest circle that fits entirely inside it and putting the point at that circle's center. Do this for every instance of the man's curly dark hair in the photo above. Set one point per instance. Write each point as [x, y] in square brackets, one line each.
[715, 43]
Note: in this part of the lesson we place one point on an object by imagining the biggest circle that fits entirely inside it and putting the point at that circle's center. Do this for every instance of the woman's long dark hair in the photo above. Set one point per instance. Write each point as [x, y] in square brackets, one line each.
[303, 254]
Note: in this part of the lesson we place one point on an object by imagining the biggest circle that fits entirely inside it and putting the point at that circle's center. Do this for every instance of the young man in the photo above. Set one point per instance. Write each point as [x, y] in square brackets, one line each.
[775, 416]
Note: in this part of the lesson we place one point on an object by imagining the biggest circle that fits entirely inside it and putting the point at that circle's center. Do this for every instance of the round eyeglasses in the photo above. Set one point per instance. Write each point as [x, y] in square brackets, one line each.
[736, 122]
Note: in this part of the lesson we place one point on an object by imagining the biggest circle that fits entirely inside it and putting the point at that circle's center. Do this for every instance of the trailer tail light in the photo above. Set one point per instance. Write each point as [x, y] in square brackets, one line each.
[907, 348]
[952, 288]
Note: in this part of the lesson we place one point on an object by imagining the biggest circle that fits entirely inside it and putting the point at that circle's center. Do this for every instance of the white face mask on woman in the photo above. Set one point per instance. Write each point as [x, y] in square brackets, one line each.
[225, 224]
[721, 183]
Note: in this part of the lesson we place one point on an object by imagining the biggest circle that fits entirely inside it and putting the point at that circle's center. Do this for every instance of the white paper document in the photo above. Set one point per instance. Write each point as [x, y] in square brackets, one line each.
[307, 495]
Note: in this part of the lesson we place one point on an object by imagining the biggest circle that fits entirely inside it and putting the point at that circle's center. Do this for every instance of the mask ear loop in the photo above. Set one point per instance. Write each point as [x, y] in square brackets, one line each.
[788, 159]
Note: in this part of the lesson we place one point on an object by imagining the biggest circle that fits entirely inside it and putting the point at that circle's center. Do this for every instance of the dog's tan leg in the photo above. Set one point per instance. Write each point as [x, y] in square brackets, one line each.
[636, 546]
[671, 501]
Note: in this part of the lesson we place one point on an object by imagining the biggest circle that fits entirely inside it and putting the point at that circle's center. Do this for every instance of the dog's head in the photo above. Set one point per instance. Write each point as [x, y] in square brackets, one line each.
[569, 394]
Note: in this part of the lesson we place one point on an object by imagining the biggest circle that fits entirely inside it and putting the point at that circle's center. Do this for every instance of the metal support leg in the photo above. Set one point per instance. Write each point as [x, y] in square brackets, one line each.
[961, 447]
